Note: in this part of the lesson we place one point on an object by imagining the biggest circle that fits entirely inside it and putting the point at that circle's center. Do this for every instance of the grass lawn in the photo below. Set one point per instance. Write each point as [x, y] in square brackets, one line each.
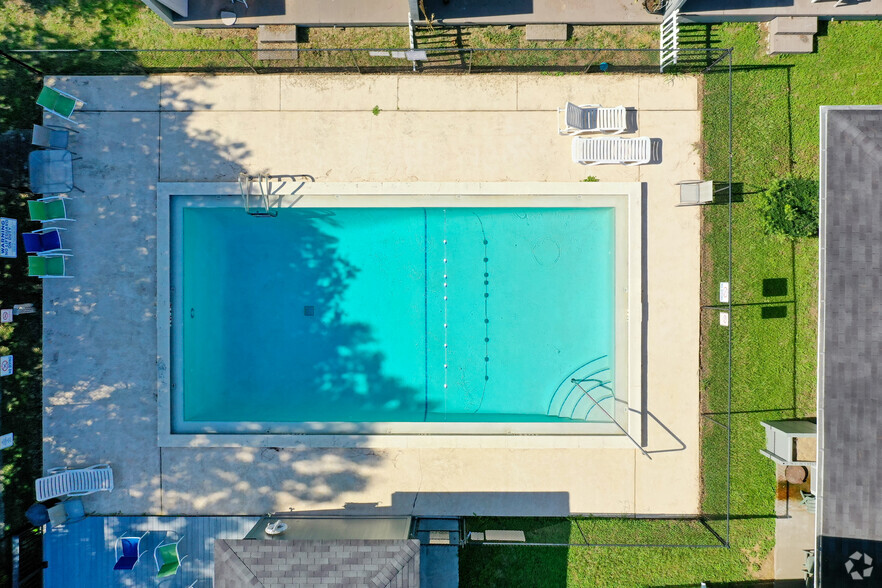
[776, 100]
[776, 103]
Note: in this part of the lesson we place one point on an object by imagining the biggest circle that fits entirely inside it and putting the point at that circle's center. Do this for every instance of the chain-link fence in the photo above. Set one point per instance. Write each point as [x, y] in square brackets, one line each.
[360, 60]
[712, 527]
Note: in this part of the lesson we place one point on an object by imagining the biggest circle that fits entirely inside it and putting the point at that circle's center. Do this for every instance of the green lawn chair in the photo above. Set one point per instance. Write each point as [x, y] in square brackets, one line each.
[809, 500]
[47, 267]
[168, 560]
[57, 102]
[48, 209]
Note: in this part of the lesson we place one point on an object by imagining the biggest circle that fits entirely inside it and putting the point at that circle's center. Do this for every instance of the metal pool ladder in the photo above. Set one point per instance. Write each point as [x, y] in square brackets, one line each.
[256, 204]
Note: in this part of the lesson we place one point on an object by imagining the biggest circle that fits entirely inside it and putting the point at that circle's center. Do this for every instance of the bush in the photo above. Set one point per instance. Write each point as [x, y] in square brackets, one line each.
[790, 208]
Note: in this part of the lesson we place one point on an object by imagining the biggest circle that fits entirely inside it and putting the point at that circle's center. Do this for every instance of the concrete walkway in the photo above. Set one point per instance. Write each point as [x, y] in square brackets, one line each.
[100, 327]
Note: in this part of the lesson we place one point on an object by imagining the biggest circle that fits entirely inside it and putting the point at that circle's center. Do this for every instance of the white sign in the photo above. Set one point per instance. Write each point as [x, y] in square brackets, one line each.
[6, 315]
[416, 55]
[6, 365]
[724, 319]
[8, 237]
[6, 441]
[724, 291]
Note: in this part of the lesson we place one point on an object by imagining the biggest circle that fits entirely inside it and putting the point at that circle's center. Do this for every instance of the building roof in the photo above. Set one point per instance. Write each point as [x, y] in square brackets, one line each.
[277, 563]
[850, 315]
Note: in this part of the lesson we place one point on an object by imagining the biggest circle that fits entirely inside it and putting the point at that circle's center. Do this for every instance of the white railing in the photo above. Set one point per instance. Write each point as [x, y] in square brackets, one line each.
[669, 40]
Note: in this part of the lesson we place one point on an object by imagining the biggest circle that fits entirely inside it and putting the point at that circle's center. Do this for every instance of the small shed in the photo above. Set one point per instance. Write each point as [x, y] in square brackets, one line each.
[791, 442]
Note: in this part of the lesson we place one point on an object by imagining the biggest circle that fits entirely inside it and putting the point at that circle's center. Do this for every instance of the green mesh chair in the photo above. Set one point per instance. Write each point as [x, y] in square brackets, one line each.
[47, 267]
[168, 559]
[48, 209]
[57, 102]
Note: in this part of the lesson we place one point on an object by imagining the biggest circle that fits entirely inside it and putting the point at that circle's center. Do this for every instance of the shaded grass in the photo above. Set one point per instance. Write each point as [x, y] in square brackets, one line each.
[776, 103]
[22, 393]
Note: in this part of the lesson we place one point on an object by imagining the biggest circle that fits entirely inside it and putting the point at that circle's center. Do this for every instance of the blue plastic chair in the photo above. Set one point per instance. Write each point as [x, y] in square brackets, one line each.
[128, 551]
[44, 241]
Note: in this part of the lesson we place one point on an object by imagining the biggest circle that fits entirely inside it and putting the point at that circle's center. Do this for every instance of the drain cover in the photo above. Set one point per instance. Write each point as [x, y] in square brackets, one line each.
[309, 311]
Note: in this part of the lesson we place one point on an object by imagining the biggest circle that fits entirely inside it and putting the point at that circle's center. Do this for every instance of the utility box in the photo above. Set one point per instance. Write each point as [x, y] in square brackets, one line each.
[793, 442]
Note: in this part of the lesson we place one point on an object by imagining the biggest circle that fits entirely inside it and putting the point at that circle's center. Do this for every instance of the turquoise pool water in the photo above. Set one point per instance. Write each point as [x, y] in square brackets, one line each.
[394, 315]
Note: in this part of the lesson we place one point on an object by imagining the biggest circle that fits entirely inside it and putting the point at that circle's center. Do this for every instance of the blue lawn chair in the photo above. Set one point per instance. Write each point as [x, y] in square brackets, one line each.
[128, 551]
[44, 241]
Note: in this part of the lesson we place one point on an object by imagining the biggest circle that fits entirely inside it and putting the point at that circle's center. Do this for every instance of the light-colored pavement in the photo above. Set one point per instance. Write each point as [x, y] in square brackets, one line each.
[100, 332]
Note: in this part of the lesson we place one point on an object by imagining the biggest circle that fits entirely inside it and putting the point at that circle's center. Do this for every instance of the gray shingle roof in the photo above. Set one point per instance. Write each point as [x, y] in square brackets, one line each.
[850, 390]
[356, 563]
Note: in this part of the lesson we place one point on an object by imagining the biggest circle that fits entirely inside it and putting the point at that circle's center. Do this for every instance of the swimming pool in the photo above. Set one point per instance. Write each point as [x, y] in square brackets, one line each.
[391, 317]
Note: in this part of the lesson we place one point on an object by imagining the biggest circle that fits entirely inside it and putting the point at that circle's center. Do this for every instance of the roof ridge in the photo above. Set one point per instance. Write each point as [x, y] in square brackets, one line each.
[390, 571]
[228, 553]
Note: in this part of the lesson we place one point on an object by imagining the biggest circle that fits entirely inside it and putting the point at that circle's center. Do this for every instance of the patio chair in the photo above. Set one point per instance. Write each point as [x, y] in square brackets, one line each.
[47, 267]
[591, 118]
[603, 150]
[127, 550]
[808, 568]
[168, 559]
[48, 209]
[809, 500]
[696, 192]
[51, 171]
[69, 511]
[51, 136]
[45, 241]
[57, 102]
[73, 482]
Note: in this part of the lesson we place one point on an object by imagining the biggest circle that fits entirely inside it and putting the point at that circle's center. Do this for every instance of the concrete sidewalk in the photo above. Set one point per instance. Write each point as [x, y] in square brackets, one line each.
[100, 327]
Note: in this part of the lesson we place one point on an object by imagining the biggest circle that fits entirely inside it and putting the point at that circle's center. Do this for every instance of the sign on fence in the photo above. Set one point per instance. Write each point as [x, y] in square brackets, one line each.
[6, 441]
[6, 365]
[6, 315]
[8, 237]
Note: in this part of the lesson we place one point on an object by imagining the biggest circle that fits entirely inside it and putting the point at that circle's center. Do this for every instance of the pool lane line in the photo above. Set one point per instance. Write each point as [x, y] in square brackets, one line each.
[426, 311]
[486, 314]
[444, 274]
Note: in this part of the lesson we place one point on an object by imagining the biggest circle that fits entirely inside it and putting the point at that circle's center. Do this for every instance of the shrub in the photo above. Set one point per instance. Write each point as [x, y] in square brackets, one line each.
[790, 208]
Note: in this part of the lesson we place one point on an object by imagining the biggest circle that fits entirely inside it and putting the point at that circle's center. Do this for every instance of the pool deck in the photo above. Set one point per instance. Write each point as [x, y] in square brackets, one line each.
[100, 342]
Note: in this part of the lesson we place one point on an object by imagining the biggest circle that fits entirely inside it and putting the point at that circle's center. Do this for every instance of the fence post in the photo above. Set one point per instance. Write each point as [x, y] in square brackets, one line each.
[354, 61]
[246, 61]
[21, 63]
[136, 64]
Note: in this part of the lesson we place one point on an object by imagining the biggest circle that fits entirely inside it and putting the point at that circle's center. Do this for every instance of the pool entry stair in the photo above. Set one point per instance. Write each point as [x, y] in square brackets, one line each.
[585, 389]
[256, 204]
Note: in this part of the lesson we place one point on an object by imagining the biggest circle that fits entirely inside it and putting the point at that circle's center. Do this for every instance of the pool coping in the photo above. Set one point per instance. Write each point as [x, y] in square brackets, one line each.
[422, 194]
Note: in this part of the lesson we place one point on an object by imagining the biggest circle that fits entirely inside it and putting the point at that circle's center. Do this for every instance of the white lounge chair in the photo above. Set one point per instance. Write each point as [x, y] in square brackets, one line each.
[591, 118]
[696, 192]
[611, 150]
[68, 482]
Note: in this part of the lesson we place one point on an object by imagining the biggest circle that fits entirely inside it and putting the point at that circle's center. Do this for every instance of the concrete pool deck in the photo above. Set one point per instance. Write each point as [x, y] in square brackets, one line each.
[100, 327]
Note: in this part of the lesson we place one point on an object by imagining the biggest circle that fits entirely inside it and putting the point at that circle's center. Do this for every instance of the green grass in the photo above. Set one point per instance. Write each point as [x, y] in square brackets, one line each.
[22, 399]
[776, 100]
[776, 103]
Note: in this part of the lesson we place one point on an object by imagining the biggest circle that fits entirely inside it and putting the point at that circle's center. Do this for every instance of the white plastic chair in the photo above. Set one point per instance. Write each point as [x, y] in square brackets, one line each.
[696, 192]
[603, 150]
[80, 482]
[591, 118]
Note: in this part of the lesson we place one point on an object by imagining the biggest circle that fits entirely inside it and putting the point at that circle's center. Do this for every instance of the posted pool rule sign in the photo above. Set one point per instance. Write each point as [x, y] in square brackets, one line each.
[6, 365]
[8, 237]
